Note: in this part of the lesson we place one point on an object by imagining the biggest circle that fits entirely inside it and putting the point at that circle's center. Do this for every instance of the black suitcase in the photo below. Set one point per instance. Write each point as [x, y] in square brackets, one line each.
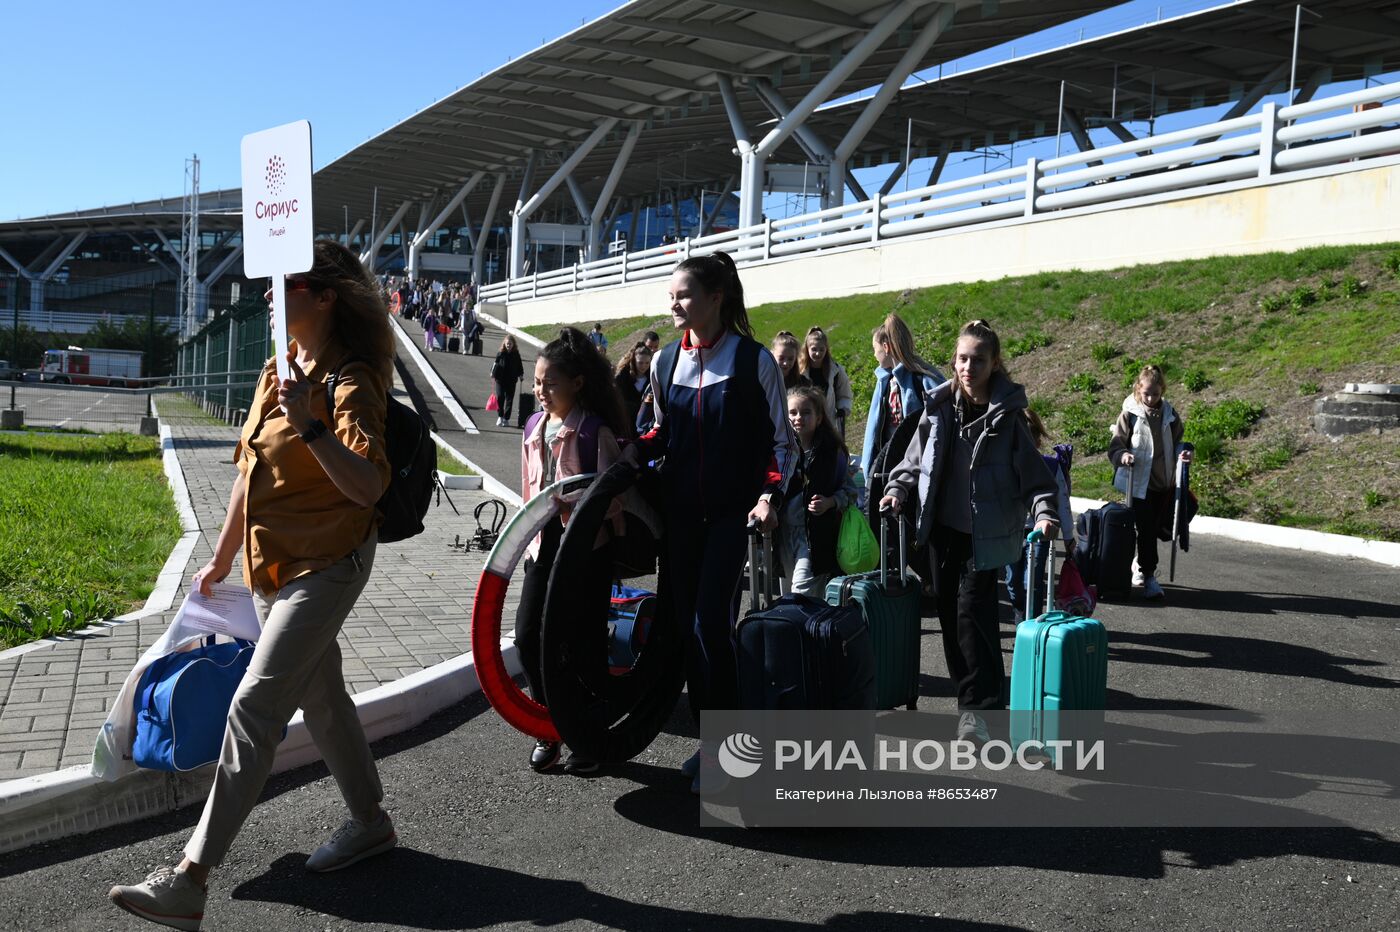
[1108, 541]
[454, 344]
[476, 346]
[798, 653]
[524, 407]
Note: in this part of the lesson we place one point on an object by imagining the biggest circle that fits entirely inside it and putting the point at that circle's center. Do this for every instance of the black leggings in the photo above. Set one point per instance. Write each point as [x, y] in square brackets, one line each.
[1147, 515]
[505, 397]
[968, 613]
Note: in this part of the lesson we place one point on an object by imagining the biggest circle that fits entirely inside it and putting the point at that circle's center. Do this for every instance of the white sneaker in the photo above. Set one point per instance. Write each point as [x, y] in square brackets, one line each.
[1139, 580]
[709, 773]
[167, 897]
[1152, 589]
[354, 841]
[691, 767]
[972, 727]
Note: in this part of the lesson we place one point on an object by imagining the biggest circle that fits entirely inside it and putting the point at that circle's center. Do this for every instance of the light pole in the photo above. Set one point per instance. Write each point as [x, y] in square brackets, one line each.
[1298, 12]
[14, 300]
[702, 225]
[1060, 119]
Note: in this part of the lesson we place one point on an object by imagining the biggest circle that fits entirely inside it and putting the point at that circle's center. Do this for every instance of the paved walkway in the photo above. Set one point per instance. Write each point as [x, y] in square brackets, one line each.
[415, 612]
[495, 449]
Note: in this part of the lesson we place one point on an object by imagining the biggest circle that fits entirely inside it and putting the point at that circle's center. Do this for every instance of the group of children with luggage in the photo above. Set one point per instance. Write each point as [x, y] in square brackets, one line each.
[751, 437]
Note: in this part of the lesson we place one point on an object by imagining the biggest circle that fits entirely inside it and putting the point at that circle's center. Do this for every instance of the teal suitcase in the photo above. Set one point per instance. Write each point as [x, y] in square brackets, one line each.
[1059, 664]
[892, 613]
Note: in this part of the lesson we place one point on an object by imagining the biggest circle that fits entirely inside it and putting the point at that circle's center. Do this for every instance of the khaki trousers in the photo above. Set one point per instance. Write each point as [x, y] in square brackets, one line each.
[296, 664]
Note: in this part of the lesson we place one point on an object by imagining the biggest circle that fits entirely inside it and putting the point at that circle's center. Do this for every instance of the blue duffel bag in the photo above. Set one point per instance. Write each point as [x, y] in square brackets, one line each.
[182, 703]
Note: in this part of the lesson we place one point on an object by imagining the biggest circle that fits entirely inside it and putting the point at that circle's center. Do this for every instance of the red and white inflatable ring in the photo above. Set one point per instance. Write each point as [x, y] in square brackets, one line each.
[517, 708]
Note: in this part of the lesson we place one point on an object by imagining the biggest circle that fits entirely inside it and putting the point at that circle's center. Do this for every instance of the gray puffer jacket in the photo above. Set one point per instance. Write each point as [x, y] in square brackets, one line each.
[1009, 477]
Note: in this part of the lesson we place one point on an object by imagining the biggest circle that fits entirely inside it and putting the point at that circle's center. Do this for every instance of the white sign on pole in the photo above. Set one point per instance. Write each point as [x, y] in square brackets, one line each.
[278, 234]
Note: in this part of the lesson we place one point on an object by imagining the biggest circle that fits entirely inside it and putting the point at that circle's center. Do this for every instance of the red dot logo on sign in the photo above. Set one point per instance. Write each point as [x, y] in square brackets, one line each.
[276, 175]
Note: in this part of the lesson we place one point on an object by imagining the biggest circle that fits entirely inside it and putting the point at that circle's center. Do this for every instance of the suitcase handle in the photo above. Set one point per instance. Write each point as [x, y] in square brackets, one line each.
[760, 565]
[1031, 539]
[887, 517]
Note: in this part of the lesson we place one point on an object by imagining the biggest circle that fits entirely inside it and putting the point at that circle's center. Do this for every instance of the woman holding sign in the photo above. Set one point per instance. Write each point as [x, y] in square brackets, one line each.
[303, 513]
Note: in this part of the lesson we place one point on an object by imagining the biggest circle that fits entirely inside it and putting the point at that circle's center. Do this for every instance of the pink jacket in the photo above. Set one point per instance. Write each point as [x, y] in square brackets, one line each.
[565, 451]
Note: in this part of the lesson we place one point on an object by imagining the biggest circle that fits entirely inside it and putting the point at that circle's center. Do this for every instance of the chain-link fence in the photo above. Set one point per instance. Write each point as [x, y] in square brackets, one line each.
[132, 311]
[221, 362]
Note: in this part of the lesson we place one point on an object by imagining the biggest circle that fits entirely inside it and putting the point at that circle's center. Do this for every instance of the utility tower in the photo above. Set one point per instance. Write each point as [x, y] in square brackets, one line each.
[189, 243]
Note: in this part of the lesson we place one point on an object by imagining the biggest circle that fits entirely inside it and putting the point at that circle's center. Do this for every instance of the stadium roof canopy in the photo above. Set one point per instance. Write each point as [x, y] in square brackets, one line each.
[653, 62]
[1239, 52]
[656, 61]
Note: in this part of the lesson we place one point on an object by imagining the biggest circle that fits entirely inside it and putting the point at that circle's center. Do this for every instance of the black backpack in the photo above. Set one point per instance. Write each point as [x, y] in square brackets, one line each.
[413, 463]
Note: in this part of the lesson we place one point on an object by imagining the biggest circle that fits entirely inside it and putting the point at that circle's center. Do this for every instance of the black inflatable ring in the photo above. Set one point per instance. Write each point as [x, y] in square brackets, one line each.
[602, 716]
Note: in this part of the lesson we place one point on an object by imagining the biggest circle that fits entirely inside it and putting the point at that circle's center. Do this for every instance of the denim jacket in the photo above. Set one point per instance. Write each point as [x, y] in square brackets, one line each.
[909, 392]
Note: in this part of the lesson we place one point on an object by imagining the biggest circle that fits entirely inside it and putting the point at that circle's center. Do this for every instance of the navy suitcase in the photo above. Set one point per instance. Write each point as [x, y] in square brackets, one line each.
[798, 653]
[1109, 539]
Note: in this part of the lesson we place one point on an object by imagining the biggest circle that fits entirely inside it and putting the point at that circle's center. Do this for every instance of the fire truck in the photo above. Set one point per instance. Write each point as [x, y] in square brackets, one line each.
[80, 366]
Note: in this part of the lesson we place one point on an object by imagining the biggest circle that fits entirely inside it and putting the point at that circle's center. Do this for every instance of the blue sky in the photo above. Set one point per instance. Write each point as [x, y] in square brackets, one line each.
[102, 102]
[112, 102]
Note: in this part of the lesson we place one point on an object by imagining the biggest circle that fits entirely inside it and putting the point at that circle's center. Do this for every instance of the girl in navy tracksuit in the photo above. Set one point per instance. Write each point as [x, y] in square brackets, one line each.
[721, 424]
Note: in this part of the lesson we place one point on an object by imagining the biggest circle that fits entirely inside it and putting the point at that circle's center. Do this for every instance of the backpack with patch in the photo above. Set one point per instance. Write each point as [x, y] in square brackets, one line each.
[413, 465]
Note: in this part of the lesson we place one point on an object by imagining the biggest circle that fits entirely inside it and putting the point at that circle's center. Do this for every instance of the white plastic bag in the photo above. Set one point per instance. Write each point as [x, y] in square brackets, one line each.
[111, 757]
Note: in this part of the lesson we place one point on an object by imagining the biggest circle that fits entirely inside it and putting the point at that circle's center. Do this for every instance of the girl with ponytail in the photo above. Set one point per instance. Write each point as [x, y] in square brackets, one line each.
[969, 476]
[575, 431]
[722, 427]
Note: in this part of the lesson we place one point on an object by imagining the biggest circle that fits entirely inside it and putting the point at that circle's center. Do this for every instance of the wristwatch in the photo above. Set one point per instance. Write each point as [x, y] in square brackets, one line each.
[314, 432]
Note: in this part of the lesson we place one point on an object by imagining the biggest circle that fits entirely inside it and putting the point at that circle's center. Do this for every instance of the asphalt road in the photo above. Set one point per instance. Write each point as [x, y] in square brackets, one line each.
[47, 406]
[487, 844]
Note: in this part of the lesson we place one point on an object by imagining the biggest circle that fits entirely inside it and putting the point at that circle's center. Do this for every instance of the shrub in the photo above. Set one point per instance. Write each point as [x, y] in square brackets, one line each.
[1374, 499]
[1042, 406]
[1302, 297]
[1276, 457]
[1392, 263]
[1227, 420]
[1195, 380]
[1309, 388]
[1086, 425]
[1026, 344]
[1215, 495]
[1209, 450]
[1103, 352]
[1085, 382]
[1352, 286]
[1272, 303]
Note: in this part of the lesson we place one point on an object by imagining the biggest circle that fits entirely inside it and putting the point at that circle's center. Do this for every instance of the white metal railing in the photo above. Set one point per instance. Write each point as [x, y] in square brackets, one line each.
[1327, 131]
[65, 321]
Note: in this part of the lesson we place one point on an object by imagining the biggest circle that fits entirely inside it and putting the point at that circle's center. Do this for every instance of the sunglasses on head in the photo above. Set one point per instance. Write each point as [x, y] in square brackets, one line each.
[812, 330]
